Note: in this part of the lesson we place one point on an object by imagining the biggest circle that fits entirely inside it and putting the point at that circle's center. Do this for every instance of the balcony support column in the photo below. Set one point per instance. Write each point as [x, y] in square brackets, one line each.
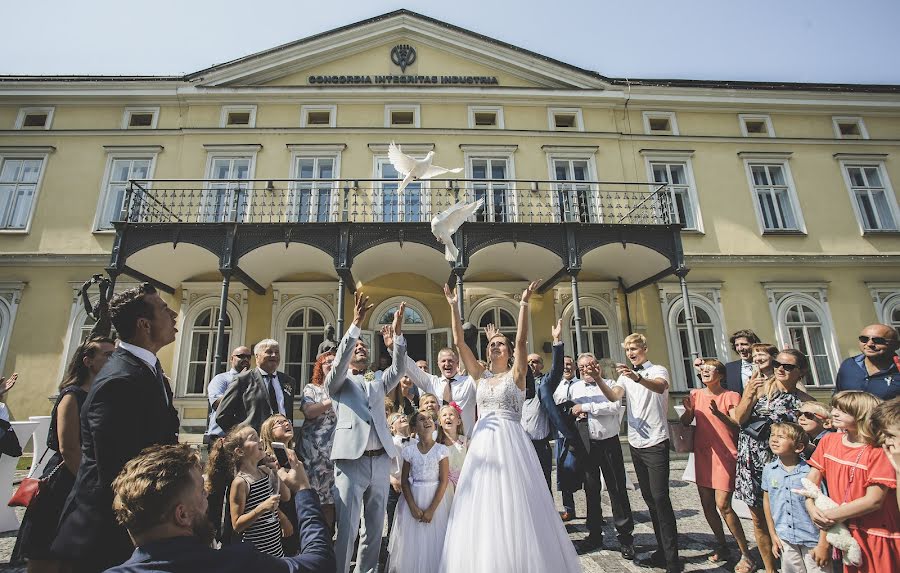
[460, 306]
[221, 347]
[340, 307]
[576, 311]
[681, 272]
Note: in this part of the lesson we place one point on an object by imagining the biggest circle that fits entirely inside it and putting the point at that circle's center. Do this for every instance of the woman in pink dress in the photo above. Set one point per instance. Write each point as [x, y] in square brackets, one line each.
[715, 458]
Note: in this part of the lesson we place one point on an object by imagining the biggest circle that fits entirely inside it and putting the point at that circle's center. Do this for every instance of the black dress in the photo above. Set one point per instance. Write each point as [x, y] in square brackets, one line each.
[42, 517]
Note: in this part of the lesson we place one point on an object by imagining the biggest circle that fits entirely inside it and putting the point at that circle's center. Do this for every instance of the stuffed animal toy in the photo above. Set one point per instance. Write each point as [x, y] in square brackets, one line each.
[838, 535]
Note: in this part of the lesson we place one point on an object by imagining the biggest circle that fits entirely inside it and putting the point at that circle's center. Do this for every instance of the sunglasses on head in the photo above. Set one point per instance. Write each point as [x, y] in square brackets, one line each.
[787, 367]
[243, 356]
[879, 340]
[811, 416]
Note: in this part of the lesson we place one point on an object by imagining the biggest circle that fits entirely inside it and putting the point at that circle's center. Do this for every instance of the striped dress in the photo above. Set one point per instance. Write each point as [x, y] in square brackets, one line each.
[265, 533]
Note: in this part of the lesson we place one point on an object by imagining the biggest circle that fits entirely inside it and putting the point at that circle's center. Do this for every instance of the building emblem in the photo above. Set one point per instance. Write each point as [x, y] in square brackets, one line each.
[403, 55]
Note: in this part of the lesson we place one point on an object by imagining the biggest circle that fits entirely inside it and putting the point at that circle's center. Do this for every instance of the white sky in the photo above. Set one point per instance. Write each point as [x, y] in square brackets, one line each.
[849, 41]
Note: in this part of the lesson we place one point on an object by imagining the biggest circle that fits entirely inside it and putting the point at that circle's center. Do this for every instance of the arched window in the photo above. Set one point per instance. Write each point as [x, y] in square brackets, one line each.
[710, 337]
[594, 332]
[805, 333]
[706, 336]
[304, 333]
[201, 365]
[416, 326]
[892, 312]
[502, 319]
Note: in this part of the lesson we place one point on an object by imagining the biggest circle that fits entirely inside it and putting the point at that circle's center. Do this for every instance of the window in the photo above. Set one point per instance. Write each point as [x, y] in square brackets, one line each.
[140, 118]
[10, 295]
[34, 118]
[565, 119]
[756, 125]
[804, 332]
[708, 326]
[409, 206]
[401, 116]
[492, 173]
[119, 171]
[227, 201]
[201, 365]
[594, 332]
[416, 324]
[705, 329]
[318, 115]
[873, 199]
[238, 116]
[774, 197]
[502, 319]
[677, 175]
[19, 182]
[849, 128]
[485, 117]
[313, 201]
[660, 123]
[886, 298]
[303, 335]
[893, 314]
[576, 199]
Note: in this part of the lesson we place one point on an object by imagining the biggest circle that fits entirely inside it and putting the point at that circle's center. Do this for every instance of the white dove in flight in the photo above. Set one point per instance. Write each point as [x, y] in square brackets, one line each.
[445, 224]
[412, 168]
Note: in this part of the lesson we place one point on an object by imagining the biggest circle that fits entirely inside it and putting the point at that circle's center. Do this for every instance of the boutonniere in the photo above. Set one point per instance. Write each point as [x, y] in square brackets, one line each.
[287, 388]
[369, 376]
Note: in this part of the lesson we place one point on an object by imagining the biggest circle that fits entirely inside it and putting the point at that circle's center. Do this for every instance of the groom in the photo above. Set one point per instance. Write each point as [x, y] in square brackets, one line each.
[363, 446]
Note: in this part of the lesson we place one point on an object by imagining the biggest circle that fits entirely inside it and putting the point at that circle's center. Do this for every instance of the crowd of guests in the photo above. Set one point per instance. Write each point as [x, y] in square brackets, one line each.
[123, 496]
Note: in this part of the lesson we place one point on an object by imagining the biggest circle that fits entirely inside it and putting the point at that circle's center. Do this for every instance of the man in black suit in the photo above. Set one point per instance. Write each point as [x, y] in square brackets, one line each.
[128, 408]
[739, 371]
[258, 393]
[160, 499]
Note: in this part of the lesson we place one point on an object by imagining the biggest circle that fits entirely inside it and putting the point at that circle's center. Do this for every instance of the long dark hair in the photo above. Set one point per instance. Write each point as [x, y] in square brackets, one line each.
[76, 372]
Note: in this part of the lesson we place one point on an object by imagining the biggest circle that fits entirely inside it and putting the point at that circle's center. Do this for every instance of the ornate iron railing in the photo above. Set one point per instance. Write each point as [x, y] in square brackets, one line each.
[378, 201]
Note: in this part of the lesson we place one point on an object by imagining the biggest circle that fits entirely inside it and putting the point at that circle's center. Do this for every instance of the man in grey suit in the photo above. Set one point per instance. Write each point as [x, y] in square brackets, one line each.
[362, 447]
[256, 394]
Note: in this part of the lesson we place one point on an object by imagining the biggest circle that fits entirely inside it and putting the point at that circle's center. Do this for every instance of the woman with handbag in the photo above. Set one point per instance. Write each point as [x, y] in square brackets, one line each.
[764, 402]
[715, 457]
[42, 516]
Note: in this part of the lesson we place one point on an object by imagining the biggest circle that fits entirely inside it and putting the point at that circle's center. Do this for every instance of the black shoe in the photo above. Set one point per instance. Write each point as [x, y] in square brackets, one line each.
[592, 541]
[627, 552]
[656, 559]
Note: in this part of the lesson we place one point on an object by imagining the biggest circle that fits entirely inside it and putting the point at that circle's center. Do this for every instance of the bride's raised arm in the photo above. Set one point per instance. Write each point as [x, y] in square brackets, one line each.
[473, 368]
[520, 357]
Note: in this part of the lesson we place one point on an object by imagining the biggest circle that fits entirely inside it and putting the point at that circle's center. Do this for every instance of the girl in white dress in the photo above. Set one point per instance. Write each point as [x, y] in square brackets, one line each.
[503, 517]
[452, 434]
[420, 523]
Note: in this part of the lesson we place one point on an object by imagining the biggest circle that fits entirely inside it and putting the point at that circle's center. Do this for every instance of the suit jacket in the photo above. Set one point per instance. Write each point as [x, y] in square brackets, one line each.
[733, 380]
[246, 400]
[549, 383]
[360, 402]
[124, 412]
[190, 555]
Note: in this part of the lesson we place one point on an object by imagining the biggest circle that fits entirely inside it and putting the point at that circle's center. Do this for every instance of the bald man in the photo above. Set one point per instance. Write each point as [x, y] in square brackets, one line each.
[877, 369]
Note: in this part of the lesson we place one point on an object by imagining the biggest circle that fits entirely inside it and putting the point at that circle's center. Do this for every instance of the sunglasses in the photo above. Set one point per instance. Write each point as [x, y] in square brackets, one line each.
[242, 356]
[787, 367]
[811, 416]
[879, 340]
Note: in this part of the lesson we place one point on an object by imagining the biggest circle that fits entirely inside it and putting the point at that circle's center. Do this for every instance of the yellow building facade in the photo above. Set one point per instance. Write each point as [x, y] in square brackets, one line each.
[274, 168]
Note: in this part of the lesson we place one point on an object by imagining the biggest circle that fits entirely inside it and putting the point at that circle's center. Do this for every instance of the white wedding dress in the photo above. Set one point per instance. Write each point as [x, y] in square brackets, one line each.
[503, 517]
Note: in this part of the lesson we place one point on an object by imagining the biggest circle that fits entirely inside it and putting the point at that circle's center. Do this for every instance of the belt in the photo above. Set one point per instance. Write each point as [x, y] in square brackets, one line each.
[373, 453]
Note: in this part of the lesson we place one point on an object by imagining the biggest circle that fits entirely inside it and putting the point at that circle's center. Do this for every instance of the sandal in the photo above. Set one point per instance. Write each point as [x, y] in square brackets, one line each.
[720, 555]
[746, 565]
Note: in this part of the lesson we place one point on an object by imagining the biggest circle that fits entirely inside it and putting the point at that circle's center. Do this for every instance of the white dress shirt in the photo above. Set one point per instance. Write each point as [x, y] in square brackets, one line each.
[561, 394]
[462, 391]
[279, 394]
[746, 370]
[603, 415]
[648, 420]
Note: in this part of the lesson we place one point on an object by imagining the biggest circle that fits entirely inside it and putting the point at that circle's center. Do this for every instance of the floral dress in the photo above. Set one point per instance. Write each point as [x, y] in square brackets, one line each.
[318, 436]
[753, 454]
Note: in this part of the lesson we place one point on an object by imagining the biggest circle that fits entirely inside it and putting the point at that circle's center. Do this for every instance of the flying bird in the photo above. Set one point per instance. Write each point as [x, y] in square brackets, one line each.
[412, 168]
[445, 224]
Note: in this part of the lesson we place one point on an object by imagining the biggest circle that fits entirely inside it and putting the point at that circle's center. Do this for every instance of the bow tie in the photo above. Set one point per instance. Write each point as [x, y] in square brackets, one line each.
[638, 367]
[404, 440]
[357, 372]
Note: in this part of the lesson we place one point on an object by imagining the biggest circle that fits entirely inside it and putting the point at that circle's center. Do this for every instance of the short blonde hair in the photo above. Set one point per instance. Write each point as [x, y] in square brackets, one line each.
[635, 338]
[816, 408]
[792, 431]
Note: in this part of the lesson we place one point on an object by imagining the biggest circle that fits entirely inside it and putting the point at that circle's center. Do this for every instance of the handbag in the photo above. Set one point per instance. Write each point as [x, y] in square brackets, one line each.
[758, 429]
[30, 488]
[681, 437]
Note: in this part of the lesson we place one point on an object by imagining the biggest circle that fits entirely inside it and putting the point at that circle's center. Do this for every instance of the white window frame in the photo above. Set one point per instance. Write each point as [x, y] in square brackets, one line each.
[314, 151]
[130, 111]
[481, 295]
[196, 298]
[306, 109]
[497, 109]
[214, 152]
[837, 120]
[743, 118]
[10, 297]
[121, 152]
[890, 197]
[561, 154]
[389, 110]
[411, 303]
[670, 115]
[598, 301]
[885, 297]
[476, 152]
[426, 198]
[42, 153]
[317, 296]
[20, 118]
[780, 159]
[814, 295]
[507, 305]
[552, 112]
[683, 157]
[226, 109]
[707, 296]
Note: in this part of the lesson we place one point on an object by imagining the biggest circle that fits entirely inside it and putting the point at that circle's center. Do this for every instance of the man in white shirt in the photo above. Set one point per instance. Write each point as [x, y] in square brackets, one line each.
[561, 396]
[597, 419]
[461, 390]
[647, 387]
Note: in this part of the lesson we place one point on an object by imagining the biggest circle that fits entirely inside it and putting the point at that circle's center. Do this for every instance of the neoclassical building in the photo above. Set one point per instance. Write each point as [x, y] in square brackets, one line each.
[258, 195]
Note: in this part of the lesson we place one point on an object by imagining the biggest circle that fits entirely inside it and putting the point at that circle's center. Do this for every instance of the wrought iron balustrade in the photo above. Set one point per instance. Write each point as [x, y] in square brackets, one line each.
[379, 201]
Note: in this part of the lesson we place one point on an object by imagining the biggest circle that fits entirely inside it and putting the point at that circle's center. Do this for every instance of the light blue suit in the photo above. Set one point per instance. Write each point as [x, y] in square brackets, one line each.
[361, 480]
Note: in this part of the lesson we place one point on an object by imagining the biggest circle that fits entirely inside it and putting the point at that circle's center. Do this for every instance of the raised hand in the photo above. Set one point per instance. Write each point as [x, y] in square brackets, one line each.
[7, 384]
[529, 290]
[491, 330]
[452, 296]
[688, 404]
[387, 333]
[397, 325]
[556, 331]
[360, 308]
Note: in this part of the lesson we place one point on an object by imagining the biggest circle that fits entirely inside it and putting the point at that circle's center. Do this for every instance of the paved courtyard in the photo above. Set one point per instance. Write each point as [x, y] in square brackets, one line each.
[694, 535]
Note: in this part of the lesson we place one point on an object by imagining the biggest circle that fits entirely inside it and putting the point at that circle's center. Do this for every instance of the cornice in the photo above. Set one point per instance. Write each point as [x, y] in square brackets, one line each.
[53, 259]
[791, 260]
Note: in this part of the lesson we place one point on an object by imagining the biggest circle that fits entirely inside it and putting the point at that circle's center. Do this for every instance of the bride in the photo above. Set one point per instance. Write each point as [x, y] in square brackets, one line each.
[503, 517]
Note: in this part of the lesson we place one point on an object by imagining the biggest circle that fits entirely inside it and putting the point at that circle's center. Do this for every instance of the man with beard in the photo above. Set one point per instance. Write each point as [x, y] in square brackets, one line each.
[159, 498]
[737, 372]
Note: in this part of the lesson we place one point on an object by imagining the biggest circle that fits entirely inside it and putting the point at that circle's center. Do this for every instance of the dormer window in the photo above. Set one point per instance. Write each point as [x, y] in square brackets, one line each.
[660, 123]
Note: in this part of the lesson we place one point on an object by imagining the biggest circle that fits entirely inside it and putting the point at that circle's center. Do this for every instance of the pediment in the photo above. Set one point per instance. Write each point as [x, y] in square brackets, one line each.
[364, 54]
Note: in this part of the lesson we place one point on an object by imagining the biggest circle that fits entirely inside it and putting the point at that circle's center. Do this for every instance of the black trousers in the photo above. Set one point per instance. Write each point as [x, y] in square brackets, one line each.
[606, 456]
[393, 499]
[545, 456]
[652, 468]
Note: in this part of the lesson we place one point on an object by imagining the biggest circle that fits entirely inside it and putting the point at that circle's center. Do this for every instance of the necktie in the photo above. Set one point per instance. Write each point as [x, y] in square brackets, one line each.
[270, 386]
[162, 382]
